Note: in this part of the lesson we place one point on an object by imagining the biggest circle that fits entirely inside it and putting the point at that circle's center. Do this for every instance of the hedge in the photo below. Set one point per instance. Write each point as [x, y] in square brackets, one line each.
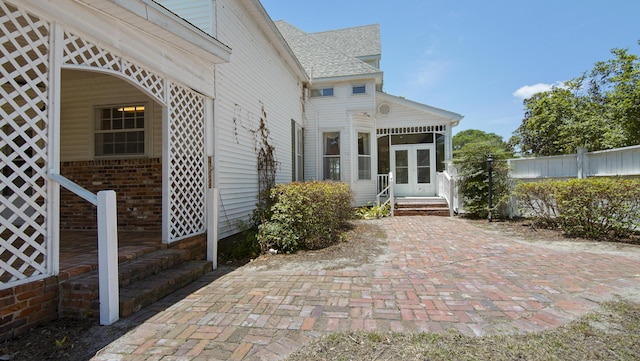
[593, 207]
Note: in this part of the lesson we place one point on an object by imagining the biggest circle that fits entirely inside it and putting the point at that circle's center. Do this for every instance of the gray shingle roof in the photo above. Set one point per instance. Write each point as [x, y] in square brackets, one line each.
[322, 60]
[358, 41]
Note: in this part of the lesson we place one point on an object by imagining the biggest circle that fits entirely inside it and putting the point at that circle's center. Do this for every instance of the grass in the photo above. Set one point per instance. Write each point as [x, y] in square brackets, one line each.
[611, 333]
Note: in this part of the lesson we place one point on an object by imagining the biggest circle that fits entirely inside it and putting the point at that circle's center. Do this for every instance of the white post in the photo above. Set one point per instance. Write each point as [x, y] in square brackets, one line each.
[581, 162]
[108, 257]
[451, 185]
[391, 200]
[213, 199]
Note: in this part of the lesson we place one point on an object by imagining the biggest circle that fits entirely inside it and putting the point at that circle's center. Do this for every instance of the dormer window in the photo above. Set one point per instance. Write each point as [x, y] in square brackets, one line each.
[359, 89]
[322, 92]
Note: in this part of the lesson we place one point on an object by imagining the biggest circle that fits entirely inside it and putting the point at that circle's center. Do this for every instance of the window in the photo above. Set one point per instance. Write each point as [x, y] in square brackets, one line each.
[364, 156]
[120, 130]
[359, 89]
[297, 152]
[322, 92]
[331, 155]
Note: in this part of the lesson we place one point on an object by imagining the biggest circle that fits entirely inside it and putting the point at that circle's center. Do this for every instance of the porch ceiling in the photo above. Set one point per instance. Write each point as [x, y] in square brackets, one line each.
[152, 18]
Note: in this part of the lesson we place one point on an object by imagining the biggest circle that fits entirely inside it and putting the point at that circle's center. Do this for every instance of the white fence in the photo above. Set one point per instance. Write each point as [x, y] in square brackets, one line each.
[613, 162]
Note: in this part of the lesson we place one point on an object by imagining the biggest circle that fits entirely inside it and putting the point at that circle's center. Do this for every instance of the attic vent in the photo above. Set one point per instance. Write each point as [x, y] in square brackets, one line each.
[384, 108]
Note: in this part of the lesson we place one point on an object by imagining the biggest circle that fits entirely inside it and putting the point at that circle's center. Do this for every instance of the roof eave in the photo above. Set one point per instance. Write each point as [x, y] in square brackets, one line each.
[342, 78]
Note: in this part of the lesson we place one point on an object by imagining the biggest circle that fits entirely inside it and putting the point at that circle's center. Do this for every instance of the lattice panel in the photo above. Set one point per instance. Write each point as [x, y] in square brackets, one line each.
[187, 173]
[24, 68]
[148, 80]
[79, 51]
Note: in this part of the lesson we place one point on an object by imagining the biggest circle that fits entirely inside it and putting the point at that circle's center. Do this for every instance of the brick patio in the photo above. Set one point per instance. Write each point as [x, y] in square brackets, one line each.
[443, 273]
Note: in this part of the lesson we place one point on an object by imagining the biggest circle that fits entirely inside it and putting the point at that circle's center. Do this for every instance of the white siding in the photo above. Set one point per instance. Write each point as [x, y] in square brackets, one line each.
[80, 96]
[200, 13]
[256, 77]
[343, 112]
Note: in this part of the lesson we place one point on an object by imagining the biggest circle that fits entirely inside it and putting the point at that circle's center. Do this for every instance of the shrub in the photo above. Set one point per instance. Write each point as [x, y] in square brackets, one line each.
[373, 212]
[307, 215]
[592, 207]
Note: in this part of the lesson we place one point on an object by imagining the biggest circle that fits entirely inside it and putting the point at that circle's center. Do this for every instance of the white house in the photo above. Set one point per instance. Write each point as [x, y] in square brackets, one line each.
[130, 96]
[356, 133]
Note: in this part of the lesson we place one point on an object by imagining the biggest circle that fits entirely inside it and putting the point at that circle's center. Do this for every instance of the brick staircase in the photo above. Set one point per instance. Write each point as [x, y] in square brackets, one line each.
[421, 206]
[144, 278]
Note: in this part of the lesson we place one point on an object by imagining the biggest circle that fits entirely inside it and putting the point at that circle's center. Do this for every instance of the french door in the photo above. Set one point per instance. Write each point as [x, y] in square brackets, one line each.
[414, 170]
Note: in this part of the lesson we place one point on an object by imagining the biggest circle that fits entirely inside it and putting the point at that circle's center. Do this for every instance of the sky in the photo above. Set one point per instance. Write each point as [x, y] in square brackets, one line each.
[480, 59]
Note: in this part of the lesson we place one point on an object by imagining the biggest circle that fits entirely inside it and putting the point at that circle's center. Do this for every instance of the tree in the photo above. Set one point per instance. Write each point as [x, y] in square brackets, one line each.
[598, 110]
[474, 136]
[472, 165]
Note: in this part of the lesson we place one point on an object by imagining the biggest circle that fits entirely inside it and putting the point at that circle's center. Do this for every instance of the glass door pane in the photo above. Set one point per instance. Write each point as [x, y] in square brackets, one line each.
[423, 160]
[402, 166]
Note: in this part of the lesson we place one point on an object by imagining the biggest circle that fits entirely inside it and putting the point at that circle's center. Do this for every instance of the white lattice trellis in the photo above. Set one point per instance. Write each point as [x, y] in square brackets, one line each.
[187, 171]
[82, 52]
[24, 67]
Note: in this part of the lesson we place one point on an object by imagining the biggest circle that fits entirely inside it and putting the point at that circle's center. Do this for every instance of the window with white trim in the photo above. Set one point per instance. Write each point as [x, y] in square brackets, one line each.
[322, 92]
[120, 131]
[364, 156]
[297, 155]
[359, 89]
[331, 156]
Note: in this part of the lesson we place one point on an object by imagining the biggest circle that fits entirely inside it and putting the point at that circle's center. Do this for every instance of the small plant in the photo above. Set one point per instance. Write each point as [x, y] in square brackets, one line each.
[373, 212]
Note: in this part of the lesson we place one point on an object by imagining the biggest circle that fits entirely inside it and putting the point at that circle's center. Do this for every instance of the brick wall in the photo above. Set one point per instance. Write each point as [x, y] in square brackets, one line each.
[28, 305]
[138, 187]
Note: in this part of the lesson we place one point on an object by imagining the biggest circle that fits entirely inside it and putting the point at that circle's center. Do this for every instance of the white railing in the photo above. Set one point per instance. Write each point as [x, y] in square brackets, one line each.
[385, 188]
[447, 190]
[107, 245]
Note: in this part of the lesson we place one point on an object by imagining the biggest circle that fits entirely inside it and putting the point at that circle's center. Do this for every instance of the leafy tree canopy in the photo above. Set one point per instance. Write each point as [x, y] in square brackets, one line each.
[598, 110]
[465, 137]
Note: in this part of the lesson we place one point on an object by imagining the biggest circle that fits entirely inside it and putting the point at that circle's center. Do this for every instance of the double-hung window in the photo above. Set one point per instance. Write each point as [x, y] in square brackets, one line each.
[364, 156]
[297, 155]
[331, 155]
[120, 131]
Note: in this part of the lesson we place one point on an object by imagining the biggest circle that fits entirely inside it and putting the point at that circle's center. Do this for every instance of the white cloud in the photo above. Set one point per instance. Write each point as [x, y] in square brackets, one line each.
[529, 90]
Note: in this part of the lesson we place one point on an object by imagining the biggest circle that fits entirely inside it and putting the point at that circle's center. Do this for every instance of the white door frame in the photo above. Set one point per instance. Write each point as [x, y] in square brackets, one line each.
[412, 188]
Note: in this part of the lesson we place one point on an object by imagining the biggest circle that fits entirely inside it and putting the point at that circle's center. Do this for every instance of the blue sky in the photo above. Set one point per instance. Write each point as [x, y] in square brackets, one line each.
[478, 58]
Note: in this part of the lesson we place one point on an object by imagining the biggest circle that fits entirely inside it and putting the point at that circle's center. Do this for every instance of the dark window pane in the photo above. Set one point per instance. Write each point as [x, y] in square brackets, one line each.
[402, 158]
[424, 175]
[402, 175]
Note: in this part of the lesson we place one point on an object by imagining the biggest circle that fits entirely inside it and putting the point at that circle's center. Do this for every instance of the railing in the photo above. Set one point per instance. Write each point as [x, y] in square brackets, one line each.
[107, 245]
[385, 188]
[447, 190]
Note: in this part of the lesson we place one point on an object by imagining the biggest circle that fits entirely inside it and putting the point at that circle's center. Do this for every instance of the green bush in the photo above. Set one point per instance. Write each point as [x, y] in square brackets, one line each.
[305, 215]
[593, 207]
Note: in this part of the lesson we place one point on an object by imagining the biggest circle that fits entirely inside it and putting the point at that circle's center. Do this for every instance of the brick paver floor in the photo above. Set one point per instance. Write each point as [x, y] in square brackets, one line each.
[441, 273]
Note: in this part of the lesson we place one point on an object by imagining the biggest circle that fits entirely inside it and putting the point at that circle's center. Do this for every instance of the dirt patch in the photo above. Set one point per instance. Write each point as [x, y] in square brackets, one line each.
[363, 243]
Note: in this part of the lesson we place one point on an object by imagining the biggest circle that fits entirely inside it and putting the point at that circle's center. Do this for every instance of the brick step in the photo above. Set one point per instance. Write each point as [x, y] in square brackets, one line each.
[444, 212]
[80, 296]
[143, 293]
